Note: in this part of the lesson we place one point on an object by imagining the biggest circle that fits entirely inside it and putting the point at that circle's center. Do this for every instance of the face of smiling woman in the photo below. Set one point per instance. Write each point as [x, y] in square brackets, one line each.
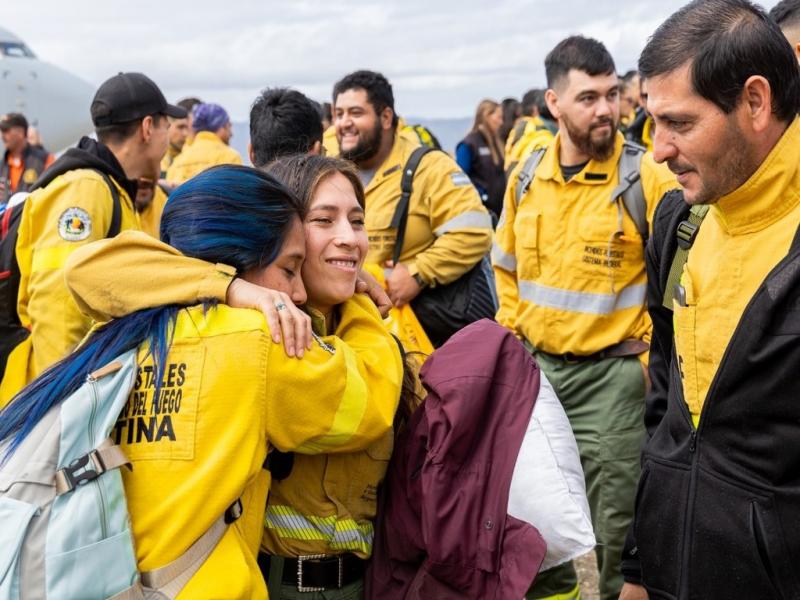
[336, 243]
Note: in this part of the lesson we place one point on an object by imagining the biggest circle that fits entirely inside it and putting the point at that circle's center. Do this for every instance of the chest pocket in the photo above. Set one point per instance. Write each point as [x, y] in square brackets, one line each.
[527, 248]
[602, 254]
[353, 479]
[161, 426]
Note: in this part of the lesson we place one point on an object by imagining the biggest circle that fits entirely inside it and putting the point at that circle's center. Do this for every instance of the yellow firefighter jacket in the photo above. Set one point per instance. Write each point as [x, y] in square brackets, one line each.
[448, 230]
[228, 393]
[73, 210]
[150, 217]
[328, 503]
[534, 136]
[743, 236]
[169, 157]
[569, 279]
[207, 150]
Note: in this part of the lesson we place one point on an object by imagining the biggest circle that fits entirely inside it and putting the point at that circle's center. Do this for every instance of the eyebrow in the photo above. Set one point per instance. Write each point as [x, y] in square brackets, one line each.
[331, 207]
[613, 88]
[673, 116]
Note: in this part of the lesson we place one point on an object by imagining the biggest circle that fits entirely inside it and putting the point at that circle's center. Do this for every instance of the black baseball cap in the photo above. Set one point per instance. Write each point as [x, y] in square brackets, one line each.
[13, 120]
[127, 97]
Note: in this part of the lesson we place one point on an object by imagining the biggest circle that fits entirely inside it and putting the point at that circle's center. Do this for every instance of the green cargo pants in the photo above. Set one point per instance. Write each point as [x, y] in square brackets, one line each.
[604, 400]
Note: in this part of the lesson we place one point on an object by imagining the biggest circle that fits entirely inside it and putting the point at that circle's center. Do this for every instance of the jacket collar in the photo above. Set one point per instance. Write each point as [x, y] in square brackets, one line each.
[769, 194]
[594, 173]
[89, 154]
[207, 136]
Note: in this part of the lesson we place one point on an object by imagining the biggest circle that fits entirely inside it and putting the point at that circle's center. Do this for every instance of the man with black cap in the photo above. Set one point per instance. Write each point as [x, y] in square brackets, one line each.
[87, 194]
[22, 163]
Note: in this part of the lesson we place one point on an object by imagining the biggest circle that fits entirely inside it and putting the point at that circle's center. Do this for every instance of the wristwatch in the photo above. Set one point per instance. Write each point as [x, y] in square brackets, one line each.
[420, 281]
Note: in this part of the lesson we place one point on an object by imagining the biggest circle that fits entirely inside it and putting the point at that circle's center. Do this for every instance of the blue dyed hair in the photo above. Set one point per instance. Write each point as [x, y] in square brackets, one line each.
[228, 214]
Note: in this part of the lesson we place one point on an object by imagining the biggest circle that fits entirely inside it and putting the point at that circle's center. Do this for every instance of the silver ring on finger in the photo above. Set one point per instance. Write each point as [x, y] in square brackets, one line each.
[279, 306]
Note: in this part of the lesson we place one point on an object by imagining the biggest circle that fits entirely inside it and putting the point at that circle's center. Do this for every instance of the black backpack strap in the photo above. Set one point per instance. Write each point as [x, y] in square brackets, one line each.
[116, 214]
[686, 234]
[400, 218]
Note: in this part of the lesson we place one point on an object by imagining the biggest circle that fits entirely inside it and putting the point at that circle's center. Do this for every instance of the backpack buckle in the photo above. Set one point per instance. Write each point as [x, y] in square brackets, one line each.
[234, 511]
[686, 233]
[77, 473]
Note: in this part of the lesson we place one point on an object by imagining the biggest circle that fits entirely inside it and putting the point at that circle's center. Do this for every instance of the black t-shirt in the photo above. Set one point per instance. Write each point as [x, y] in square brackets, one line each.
[568, 172]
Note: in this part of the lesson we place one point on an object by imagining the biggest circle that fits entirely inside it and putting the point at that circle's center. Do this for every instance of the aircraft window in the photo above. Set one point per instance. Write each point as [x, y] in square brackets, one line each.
[16, 50]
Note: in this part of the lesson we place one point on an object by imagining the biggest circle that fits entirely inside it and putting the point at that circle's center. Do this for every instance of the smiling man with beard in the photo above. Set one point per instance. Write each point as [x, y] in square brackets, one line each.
[569, 262]
[448, 229]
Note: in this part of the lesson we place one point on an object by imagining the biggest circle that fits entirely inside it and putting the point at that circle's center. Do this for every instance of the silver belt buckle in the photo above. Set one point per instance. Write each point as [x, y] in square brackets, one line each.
[300, 560]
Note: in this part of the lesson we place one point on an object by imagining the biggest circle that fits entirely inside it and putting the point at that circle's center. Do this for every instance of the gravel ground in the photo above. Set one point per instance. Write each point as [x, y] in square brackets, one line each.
[586, 566]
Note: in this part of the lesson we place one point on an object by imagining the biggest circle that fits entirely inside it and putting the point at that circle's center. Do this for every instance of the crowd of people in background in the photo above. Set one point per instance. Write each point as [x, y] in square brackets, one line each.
[624, 242]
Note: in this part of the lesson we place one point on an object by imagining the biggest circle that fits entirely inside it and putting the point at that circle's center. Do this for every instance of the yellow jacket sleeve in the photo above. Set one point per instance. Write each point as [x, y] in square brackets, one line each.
[344, 394]
[504, 260]
[461, 224]
[115, 277]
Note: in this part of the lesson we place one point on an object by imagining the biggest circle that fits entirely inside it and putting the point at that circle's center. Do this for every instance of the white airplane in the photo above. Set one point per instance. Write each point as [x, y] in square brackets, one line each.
[53, 100]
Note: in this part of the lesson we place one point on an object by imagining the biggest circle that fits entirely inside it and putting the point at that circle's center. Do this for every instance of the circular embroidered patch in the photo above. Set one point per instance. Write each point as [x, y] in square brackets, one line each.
[30, 176]
[74, 224]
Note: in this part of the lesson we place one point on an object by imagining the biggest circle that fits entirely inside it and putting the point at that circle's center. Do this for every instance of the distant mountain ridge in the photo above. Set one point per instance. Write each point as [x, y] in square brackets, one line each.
[448, 131]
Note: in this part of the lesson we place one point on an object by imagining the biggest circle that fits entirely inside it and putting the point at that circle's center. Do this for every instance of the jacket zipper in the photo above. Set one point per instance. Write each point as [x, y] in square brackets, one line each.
[101, 501]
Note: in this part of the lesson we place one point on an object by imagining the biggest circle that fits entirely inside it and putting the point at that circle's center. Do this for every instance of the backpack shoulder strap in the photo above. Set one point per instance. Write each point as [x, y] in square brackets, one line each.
[686, 234]
[519, 129]
[116, 214]
[630, 187]
[170, 579]
[527, 173]
[400, 217]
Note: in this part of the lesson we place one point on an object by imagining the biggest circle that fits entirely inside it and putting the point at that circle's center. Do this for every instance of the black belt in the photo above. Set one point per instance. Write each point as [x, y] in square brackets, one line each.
[625, 348]
[317, 572]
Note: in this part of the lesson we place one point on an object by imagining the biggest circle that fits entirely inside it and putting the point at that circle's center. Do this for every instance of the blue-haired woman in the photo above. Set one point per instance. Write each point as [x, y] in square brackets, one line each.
[241, 393]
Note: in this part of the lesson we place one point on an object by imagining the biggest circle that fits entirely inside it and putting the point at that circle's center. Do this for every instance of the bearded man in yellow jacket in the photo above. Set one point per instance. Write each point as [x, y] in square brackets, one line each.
[569, 263]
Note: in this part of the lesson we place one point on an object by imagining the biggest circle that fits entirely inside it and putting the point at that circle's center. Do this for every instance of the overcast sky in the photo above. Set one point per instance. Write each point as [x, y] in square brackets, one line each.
[442, 57]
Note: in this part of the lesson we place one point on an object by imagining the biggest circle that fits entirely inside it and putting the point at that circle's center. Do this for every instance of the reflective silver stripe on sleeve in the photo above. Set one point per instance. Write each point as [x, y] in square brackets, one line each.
[503, 260]
[472, 218]
[582, 302]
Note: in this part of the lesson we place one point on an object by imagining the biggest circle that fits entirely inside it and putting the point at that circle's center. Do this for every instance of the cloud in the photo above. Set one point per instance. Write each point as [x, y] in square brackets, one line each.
[442, 57]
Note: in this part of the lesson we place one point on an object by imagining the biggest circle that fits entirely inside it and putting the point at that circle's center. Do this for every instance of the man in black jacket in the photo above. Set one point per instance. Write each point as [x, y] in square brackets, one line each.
[718, 506]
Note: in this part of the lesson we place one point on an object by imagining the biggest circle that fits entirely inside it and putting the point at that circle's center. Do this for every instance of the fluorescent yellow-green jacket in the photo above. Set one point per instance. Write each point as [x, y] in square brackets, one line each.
[566, 280]
[207, 150]
[534, 136]
[448, 230]
[73, 210]
[229, 393]
[743, 236]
